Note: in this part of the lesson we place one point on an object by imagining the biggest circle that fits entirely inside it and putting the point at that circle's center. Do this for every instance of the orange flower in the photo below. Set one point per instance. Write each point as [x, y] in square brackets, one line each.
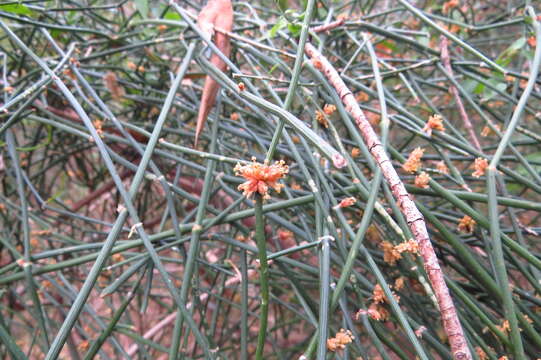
[422, 180]
[284, 235]
[83, 346]
[355, 152]
[378, 295]
[531, 41]
[399, 283]
[234, 116]
[411, 246]
[241, 86]
[481, 353]
[117, 257]
[376, 312]
[390, 254]
[480, 166]
[414, 160]
[98, 124]
[340, 340]
[261, 176]
[329, 109]
[111, 83]
[451, 4]
[442, 168]
[320, 117]
[488, 131]
[347, 202]
[466, 224]
[504, 327]
[435, 122]
[362, 97]
[420, 330]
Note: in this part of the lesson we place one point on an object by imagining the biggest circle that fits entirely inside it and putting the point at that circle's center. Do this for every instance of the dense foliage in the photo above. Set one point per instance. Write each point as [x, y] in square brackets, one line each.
[121, 239]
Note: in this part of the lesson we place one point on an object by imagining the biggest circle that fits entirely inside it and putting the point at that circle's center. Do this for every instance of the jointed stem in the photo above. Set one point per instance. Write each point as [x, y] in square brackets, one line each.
[263, 274]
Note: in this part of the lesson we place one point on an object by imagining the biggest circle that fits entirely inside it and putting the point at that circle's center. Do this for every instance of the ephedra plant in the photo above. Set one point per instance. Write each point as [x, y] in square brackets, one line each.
[261, 180]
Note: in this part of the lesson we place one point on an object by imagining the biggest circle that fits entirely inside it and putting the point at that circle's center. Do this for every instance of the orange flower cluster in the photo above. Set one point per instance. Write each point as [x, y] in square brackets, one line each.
[392, 253]
[377, 310]
[111, 83]
[347, 202]
[435, 122]
[98, 124]
[442, 168]
[320, 117]
[480, 165]
[420, 330]
[378, 296]
[414, 160]
[488, 131]
[399, 283]
[481, 354]
[451, 4]
[340, 340]
[505, 327]
[410, 246]
[362, 97]
[422, 180]
[466, 225]
[329, 109]
[261, 177]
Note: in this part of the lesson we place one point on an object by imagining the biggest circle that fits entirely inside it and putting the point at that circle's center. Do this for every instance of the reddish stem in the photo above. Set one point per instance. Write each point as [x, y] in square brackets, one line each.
[407, 206]
[446, 60]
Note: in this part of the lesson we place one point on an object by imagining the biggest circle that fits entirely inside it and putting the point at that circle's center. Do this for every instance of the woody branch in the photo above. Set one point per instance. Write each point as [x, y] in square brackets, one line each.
[413, 216]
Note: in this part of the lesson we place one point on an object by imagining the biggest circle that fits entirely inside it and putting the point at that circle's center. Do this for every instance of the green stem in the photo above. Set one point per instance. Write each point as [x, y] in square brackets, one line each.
[263, 274]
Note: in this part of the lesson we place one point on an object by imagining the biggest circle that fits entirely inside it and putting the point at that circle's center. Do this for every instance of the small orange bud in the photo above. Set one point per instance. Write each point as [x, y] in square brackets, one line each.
[466, 225]
[480, 166]
[347, 202]
[422, 180]
[329, 109]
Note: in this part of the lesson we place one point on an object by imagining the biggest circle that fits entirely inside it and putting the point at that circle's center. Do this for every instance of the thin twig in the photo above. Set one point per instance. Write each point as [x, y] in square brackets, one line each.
[445, 58]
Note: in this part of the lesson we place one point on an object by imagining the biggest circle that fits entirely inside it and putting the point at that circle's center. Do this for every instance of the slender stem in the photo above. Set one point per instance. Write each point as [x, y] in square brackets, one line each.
[291, 91]
[263, 275]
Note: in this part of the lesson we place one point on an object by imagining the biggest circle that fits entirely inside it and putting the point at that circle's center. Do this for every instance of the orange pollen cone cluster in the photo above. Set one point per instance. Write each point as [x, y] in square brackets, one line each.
[261, 177]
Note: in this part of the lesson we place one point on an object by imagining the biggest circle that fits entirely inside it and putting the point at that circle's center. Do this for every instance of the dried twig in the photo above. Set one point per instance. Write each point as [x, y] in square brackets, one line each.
[413, 216]
[217, 13]
[330, 26]
[465, 119]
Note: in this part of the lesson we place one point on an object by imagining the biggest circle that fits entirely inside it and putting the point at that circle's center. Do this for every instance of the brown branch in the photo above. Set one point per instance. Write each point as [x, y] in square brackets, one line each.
[330, 26]
[465, 119]
[407, 206]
